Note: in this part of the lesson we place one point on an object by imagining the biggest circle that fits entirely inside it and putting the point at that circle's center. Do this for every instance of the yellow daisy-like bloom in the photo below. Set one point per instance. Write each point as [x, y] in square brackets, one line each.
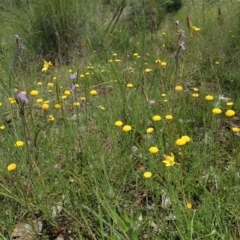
[189, 205]
[83, 98]
[46, 66]
[50, 84]
[186, 138]
[0, 104]
[147, 175]
[209, 97]
[114, 54]
[235, 129]
[169, 117]
[118, 123]
[153, 150]
[19, 143]
[70, 70]
[217, 63]
[117, 60]
[158, 61]
[229, 103]
[39, 83]
[135, 54]
[93, 92]
[163, 33]
[57, 106]
[129, 85]
[163, 64]
[76, 104]
[156, 118]
[150, 130]
[81, 76]
[163, 94]
[127, 128]
[87, 73]
[39, 100]
[54, 78]
[148, 70]
[195, 29]
[178, 88]
[169, 160]
[180, 142]
[51, 118]
[45, 106]
[34, 93]
[64, 97]
[11, 167]
[196, 95]
[230, 113]
[2, 127]
[217, 111]
[67, 92]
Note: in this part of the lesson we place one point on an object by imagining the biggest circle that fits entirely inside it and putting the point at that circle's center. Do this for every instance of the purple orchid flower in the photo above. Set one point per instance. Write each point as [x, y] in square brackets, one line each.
[73, 76]
[182, 45]
[72, 86]
[22, 97]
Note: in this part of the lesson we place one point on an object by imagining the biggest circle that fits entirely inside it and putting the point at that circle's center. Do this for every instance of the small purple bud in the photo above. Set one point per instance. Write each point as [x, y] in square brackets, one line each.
[22, 96]
[73, 76]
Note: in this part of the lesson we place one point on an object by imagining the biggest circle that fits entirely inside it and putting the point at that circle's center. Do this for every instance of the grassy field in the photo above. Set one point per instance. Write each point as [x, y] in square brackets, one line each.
[124, 132]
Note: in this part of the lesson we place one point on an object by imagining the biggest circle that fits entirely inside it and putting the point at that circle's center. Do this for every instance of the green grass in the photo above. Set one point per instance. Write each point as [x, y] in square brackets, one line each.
[81, 176]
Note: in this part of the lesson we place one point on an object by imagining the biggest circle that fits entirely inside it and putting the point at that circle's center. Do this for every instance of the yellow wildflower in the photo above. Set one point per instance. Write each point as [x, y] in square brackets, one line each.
[169, 160]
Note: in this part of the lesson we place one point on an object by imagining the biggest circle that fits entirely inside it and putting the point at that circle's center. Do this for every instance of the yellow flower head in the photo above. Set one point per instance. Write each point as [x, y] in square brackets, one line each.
[147, 175]
[235, 129]
[230, 113]
[169, 160]
[46, 65]
[93, 92]
[189, 205]
[19, 143]
[57, 106]
[178, 88]
[11, 167]
[217, 111]
[156, 118]
[209, 97]
[45, 106]
[129, 85]
[148, 70]
[180, 142]
[127, 128]
[153, 150]
[150, 130]
[163, 64]
[51, 118]
[186, 138]
[118, 123]
[34, 93]
[67, 92]
[169, 117]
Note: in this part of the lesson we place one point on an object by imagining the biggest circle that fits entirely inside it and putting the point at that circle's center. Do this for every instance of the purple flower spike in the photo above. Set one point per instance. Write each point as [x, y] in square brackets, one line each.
[22, 96]
[181, 44]
[73, 76]
[72, 86]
